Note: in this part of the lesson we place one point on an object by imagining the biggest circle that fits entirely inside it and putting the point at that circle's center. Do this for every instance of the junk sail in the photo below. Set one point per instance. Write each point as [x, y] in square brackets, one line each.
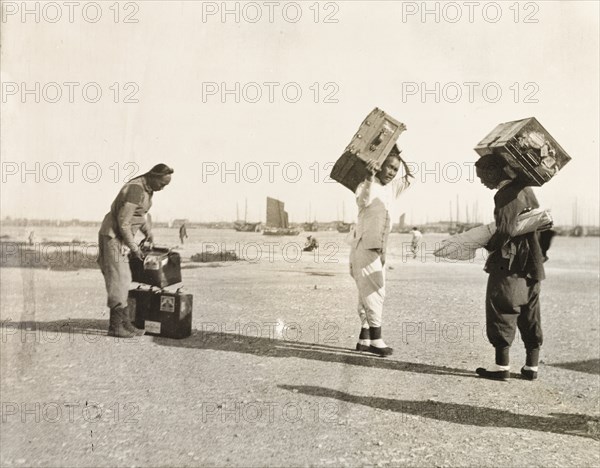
[277, 220]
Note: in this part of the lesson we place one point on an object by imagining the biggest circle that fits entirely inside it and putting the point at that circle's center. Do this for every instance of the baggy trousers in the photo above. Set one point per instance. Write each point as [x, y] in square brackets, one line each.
[369, 275]
[512, 301]
[114, 264]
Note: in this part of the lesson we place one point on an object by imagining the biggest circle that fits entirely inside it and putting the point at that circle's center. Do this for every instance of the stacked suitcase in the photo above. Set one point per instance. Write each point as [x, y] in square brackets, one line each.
[163, 312]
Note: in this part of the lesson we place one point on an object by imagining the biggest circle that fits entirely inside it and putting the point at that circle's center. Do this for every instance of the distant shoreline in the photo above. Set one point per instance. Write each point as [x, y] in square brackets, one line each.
[438, 227]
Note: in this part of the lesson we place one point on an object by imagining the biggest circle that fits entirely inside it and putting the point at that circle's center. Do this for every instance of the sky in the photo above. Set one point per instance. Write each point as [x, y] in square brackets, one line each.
[253, 99]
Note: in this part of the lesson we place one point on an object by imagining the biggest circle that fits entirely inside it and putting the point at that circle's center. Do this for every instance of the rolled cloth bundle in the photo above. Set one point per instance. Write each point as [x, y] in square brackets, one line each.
[464, 246]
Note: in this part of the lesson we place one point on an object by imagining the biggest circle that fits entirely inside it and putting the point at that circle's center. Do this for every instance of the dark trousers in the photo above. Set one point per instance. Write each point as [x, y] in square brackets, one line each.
[512, 301]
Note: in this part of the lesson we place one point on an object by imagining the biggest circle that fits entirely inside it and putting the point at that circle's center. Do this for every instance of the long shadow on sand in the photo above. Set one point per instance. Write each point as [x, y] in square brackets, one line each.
[580, 425]
[75, 325]
[239, 343]
[589, 366]
[260, 346]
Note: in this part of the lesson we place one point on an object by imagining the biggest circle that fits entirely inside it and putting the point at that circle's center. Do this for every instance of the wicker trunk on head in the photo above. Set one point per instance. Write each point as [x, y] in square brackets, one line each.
[528, 148]
[375, 138]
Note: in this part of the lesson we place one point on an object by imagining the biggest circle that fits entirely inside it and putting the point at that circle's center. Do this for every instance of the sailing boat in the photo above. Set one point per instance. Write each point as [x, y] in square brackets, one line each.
[277, 220]
[402, 224]
[463, 227]
[310, 226]
[245, 226]
[342, 226]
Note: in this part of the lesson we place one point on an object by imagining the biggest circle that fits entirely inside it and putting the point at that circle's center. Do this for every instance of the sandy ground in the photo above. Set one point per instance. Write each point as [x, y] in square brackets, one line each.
[268, 377]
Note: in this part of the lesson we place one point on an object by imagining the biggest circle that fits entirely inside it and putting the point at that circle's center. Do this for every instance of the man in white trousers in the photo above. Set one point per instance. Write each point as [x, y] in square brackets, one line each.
[416, 239]
[374, 197]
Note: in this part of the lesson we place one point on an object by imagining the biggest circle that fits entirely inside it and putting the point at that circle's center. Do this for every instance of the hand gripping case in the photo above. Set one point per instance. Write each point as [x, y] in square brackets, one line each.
[374, 140]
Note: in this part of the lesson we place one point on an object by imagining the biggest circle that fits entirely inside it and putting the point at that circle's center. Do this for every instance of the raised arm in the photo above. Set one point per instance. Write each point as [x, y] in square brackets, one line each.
[363, 191]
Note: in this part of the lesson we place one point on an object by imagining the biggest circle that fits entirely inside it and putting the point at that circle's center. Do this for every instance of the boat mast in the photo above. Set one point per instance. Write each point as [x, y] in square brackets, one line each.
[457, 209]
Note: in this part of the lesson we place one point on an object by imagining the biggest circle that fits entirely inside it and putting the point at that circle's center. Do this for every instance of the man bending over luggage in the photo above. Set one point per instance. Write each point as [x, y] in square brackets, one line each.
[116, 239]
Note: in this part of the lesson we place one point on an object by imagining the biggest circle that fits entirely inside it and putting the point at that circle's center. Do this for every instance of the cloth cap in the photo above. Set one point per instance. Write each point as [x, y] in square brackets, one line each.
[160, 170]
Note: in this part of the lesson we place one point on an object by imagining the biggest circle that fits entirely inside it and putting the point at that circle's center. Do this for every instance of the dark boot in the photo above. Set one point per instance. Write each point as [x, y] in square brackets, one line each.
[129, 326]
[492, 375]
[383, 352]
[533, 357]
[116, 326]
[375, 334]
[528, 374]
[502, 359]
[364, 335]
[112, 322]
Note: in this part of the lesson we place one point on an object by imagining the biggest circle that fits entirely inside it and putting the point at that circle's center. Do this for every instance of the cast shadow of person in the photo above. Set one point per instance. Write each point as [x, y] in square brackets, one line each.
[32, 335]
[589, 366]
[48, 331]
[580, 425]
[279, 348]
[94, 329]
[231, 342]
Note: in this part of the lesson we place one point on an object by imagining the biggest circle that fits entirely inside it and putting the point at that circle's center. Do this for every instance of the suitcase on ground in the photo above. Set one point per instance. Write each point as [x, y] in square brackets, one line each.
[374, 140]
[161, 267]
[528, 148]
[161, 312]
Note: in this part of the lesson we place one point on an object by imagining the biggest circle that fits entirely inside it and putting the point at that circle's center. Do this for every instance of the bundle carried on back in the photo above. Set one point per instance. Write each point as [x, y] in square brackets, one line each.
[464, 246]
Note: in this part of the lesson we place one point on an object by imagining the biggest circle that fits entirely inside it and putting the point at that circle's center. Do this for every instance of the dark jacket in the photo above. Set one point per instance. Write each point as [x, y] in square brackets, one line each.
[514, 254]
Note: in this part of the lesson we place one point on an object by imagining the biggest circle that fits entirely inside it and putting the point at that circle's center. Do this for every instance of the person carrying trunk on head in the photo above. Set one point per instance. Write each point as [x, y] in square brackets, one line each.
[374, 197]
[515, 268]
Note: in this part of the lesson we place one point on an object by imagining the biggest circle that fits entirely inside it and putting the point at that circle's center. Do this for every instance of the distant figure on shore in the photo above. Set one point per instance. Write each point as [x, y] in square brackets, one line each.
[31, 237]
[182, 233]
[516, 270]
[311, 244]
[415, 241]
[117, 238]
[374, 197]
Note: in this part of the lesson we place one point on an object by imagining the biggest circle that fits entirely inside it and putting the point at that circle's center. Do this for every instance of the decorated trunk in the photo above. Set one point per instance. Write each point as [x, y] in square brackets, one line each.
[528, 148]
